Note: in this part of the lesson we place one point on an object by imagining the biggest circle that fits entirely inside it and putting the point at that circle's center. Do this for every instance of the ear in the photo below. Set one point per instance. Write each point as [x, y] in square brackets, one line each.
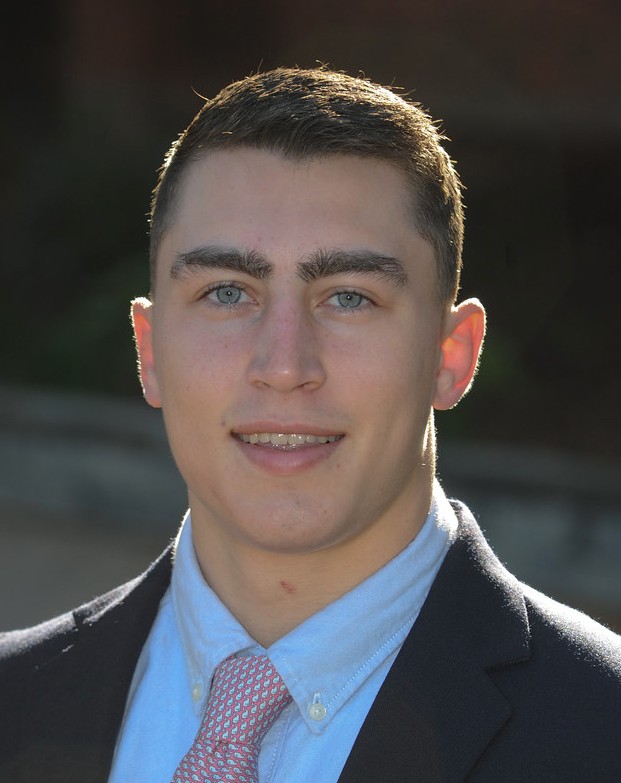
[141, 315]
[459, 353]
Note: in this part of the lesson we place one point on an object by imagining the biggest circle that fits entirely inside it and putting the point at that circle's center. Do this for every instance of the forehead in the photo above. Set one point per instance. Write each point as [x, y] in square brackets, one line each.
[259, 200]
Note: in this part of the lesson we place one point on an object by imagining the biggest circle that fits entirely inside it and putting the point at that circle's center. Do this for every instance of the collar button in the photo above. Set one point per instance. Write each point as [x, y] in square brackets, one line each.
[317, 711]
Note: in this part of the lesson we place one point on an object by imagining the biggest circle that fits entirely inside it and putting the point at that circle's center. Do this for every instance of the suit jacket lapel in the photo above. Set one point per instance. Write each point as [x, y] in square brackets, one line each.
[439, 709]
[75, 702]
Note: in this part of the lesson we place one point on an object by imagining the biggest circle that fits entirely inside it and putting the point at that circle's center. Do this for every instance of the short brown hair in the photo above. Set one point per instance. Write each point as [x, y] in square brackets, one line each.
[303, 114]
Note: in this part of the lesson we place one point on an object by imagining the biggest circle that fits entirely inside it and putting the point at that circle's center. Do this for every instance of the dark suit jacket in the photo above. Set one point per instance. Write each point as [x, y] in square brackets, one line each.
[495, 684]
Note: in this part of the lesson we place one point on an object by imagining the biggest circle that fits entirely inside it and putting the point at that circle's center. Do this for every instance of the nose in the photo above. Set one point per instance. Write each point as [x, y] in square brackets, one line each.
[287, 352]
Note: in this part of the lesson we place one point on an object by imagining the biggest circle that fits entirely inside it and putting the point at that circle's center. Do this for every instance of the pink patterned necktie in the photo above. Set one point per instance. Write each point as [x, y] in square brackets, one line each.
[246, 697]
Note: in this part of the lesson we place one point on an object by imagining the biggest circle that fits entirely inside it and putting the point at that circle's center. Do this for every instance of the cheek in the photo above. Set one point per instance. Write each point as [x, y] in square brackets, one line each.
[400, 401]
[388, 365]
[192, 360]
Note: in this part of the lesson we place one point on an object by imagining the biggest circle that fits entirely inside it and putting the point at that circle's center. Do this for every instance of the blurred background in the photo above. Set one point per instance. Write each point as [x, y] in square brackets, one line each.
[94, 93]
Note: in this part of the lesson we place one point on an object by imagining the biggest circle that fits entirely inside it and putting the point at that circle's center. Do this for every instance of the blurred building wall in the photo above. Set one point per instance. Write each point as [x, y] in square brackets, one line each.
[89, 495]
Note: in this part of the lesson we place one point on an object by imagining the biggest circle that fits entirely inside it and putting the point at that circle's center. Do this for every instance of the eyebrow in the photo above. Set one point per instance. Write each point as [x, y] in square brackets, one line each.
[319, 264]
[324, 263]
[248, 262]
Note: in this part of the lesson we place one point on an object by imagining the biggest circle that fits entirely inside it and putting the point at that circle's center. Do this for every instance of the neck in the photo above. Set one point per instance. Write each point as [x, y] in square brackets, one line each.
[270, 595]
[271, 592]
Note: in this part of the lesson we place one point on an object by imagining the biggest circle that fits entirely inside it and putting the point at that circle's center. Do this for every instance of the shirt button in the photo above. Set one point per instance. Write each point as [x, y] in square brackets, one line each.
[197, 692]
[317, 711]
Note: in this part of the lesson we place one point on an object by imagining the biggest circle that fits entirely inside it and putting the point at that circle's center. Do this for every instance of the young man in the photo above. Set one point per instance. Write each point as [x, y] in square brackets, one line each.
[301, 328]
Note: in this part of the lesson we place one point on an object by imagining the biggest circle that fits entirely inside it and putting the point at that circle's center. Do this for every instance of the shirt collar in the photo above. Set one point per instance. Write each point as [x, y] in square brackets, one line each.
[209, 632]
[325, 659]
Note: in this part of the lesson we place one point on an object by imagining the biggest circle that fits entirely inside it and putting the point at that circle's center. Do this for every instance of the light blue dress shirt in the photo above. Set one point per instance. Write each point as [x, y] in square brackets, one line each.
[333, 664]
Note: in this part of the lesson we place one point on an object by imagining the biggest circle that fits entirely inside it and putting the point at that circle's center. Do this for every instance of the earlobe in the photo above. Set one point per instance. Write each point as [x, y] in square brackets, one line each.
[459, 353]
[141, 315]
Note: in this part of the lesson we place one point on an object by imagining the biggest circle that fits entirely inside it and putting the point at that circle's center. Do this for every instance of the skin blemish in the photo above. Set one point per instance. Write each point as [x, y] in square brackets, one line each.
[287, 586]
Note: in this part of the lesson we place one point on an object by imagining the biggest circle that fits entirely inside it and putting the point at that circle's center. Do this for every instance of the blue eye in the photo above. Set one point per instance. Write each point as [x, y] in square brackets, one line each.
[349, 299]
[227, 294]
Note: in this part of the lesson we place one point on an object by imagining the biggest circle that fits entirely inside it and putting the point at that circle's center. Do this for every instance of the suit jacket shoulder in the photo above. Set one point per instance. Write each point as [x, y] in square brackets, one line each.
[63, 683]
[495, 682]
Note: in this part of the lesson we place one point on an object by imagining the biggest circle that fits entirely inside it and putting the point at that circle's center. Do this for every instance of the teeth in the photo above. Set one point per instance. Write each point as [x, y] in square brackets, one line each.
[286, 439]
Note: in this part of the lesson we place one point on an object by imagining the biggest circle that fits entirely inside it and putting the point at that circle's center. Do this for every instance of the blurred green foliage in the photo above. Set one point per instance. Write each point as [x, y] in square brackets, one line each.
[541, 252]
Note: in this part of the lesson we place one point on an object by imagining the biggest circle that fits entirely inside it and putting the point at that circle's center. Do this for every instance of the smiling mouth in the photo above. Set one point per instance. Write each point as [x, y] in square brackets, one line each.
[286, 440]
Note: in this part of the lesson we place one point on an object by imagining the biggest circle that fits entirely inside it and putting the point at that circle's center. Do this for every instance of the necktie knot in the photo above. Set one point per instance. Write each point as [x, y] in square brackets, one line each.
[246, 697]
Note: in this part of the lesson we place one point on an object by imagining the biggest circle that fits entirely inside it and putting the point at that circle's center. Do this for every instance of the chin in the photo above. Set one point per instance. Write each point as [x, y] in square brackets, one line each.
[294, 538]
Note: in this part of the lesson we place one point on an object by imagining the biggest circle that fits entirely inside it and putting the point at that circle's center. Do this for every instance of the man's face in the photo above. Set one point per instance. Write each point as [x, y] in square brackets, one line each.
[293, 344]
